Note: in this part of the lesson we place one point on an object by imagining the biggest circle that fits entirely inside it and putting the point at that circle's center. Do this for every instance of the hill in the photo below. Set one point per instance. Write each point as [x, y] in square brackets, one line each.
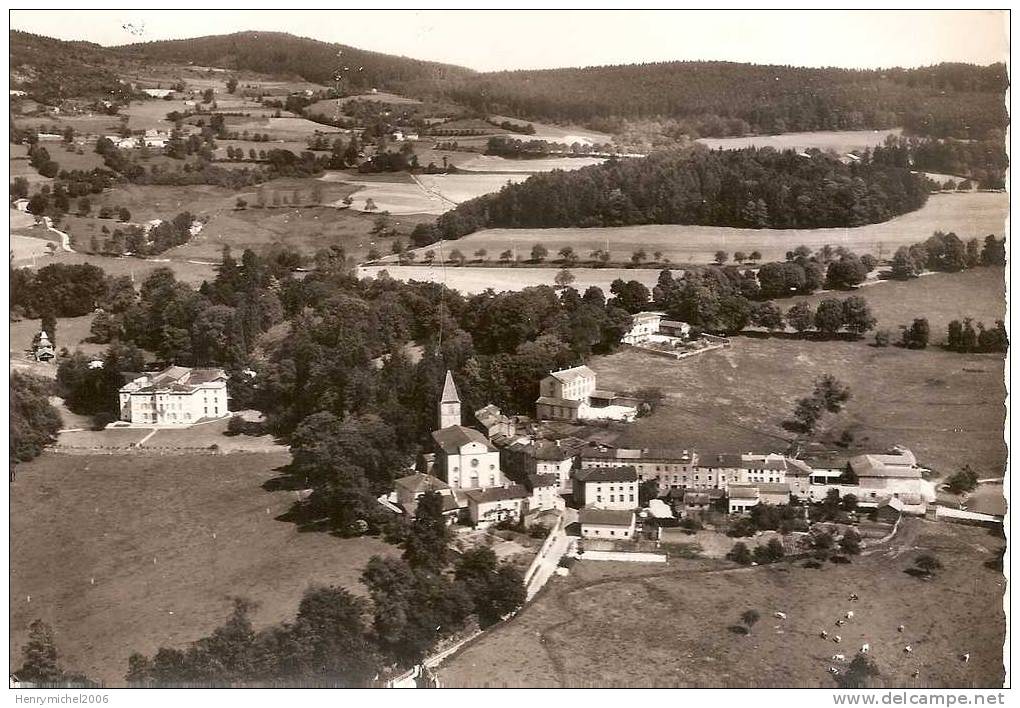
[52, 70]
[714, 99]
[279, 53]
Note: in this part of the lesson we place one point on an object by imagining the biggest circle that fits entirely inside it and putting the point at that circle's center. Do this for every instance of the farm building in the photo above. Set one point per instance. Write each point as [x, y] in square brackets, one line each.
[606, 487]
[643, 326]
[571, 394]
[176, 396]
[607, 523]
[742, 498]
[157, 93]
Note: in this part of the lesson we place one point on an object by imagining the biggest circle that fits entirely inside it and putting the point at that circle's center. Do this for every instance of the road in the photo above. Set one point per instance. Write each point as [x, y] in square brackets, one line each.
[547, 564]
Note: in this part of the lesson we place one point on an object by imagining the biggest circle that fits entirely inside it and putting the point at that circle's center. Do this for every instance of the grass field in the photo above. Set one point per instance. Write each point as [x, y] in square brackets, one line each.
[19, 167]
[400, 193]
[838, 140]
[557, 133]
[626, 624]
[494, 163]
[946, 407]
[193, 273]
[143, 528]
[969, 215]
[940, 297]
[71, 333]
[476, 280]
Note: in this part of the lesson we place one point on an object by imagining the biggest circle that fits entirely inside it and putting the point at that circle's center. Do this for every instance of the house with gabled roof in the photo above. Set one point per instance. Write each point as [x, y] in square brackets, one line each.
[607, 487]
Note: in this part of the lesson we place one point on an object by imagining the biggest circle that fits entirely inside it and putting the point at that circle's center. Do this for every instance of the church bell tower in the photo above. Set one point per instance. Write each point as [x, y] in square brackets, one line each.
[449, 404]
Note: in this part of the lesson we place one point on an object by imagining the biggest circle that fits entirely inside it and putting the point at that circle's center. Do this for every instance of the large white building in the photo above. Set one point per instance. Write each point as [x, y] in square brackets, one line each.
[571, 394]
[607, 487]
[176, 396]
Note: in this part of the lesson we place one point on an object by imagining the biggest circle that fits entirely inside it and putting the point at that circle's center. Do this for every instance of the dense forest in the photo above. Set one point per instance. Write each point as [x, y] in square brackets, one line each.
[52, 70]
[278, 53]
[724, 98]
[752, 188]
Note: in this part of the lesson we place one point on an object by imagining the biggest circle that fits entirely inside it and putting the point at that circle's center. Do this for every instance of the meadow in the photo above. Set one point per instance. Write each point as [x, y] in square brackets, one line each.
[627, 624]
[969, 215]
[839, 140]
[946, 407]
[494, 163]
[123, 554]
[476, 280]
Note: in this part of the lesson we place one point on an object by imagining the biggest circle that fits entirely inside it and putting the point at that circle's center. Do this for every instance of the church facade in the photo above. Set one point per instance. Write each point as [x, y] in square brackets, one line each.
[464, 457]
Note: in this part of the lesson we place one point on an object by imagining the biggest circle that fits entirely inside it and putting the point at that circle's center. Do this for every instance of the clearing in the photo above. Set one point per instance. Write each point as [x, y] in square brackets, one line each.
[628, 624]
[838, 140]
[969, 215]
[168, 542]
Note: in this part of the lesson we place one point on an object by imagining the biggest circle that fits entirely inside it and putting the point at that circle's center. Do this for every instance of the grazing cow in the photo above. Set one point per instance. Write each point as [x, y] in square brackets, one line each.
[853, 597]
[838, 657]
[915, 674]
[779, 615]
[900, 629]
[833, 670]
[966, 657]
[850, 615]
[865, 648]
[837, 639]
[823, 634]
[840, 623]
[907, 649]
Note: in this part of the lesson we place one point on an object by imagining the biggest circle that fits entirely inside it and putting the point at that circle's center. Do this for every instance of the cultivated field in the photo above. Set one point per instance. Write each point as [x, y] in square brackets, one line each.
[557, 133]
[400, 193]
[626, 624]
[968, 215]
[838, 140]
[476, 280]
[168, 541]
[946, 407]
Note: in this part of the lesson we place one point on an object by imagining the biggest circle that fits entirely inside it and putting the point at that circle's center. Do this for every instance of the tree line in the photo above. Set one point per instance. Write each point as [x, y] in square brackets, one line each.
[751, 188]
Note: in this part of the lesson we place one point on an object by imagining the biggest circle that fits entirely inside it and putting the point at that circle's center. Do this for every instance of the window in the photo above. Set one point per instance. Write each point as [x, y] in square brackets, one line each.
[474, 462]
[612, 497]
[612, 533]
[632, 497]
[598, 499]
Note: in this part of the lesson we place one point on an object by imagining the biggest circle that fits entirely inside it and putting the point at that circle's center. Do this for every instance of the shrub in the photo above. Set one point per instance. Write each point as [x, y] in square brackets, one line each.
[740, 553]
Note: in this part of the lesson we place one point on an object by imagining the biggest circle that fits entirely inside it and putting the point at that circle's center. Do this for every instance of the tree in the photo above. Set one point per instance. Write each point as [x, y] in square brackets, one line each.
[740, 553]
[39, 656]
[755, 256]
[860, 673]
[48, 324]
[750, 618]
[739, 256]
[916, 336]
[539, 253]
[564, 278]
[241, 203]
[123, 214]
[965, 480]
[883, 337]
[567, 255]
[767, 315]
[954, 337]
[32, 420]
[84, 206]
[857, 317]
[506, 256]
[457, 257]
[207, 95]
[926, 564]
[497, 589]
[232, 84]
[721, 257]
[480, 254]
[430, 257]
[850, 544]
[829, 316]
[428, 538]
[801, 316]
[846, 272]
[369, 204]
[638, 257]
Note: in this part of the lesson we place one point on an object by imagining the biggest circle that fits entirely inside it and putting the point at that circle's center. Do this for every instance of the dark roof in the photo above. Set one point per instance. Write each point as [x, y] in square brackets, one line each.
[742, 492]
[545, 450]
[773, 488]
[419, 482]
[552, 401]
[454, 437]
[492, 494]
[600, 393]
[543, 480]
[449, 390]
[738, 462]
[605, 517]
[607, 474]
[692, 498]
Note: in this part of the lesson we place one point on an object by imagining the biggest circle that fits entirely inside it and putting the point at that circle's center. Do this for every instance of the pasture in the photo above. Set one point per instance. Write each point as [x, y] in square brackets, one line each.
[190, 272]
[633, 625]
[476, 280]
[168, 541]
[557, 133]
[838, 140]
[946, 407]
[401, 193]
[969, 215]
[71, 333]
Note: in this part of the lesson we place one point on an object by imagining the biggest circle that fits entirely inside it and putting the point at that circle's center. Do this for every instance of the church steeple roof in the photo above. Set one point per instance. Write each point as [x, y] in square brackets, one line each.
[450, 394]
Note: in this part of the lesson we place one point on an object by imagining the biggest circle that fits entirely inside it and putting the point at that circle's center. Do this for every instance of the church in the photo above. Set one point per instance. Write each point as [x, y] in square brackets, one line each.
[464, 458]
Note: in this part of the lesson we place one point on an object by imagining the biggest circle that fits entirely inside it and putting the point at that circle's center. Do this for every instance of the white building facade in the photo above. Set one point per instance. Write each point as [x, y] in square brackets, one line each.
[175, 397]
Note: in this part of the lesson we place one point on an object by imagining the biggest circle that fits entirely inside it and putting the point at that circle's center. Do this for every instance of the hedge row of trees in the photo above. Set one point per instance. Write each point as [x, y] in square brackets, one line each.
[751, 188]
[947, 252]
[33, 421]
